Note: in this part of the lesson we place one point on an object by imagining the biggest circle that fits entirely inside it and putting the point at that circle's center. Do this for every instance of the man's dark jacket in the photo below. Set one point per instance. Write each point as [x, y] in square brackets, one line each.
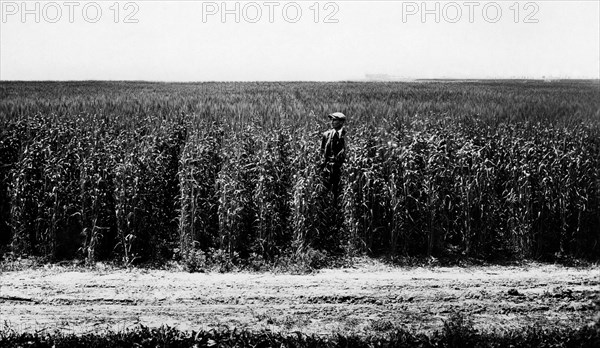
[333, 147]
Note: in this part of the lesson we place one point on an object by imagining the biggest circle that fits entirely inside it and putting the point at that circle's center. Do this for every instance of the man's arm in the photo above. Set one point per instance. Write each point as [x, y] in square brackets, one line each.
[341, 155]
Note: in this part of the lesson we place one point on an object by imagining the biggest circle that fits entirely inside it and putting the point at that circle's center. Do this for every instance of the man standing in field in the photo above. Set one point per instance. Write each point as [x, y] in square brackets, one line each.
[333, 150]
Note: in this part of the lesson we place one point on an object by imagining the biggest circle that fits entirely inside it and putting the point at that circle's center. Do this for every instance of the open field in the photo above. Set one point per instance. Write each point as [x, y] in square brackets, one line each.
[366, 299]
[228, 172]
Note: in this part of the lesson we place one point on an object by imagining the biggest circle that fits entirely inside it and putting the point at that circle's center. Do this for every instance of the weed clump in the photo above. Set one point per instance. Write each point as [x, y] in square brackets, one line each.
[457, 332]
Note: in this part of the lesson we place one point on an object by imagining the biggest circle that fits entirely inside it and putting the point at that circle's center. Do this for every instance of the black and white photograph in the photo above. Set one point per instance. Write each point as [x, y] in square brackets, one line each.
[308, 173]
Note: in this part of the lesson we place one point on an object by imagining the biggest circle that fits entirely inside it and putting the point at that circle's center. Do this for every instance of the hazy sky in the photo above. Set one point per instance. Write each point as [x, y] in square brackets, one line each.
[297, 40]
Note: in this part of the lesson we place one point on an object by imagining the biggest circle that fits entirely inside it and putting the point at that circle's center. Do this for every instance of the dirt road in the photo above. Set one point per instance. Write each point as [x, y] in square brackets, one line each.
[366, 299]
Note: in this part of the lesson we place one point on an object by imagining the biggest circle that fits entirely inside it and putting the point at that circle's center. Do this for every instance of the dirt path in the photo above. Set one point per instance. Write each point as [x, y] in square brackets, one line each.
[367, 299]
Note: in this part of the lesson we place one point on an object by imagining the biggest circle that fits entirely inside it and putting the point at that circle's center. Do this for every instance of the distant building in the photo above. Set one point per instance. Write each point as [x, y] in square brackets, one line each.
[385, 77]
[378, 77]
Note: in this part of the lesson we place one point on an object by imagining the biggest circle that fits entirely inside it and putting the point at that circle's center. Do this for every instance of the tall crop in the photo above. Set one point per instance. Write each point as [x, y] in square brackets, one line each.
[199, 166]
[145, 172]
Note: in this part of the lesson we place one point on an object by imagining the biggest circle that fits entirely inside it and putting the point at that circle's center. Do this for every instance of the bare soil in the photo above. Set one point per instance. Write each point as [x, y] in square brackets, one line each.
[370, 298]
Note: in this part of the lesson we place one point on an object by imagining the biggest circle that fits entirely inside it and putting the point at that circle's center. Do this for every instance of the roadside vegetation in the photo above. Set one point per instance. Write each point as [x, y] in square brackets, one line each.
[457, 332]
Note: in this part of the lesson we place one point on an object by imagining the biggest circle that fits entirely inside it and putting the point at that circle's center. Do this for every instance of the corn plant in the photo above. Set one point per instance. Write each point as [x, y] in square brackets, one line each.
[145, 171]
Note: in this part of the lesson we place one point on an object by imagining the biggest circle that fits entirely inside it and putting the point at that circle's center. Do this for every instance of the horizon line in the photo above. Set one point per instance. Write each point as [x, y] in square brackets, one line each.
[325, 81]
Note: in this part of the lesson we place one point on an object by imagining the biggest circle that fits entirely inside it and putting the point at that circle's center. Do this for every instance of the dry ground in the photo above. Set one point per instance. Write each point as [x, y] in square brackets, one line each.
[369, 298]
